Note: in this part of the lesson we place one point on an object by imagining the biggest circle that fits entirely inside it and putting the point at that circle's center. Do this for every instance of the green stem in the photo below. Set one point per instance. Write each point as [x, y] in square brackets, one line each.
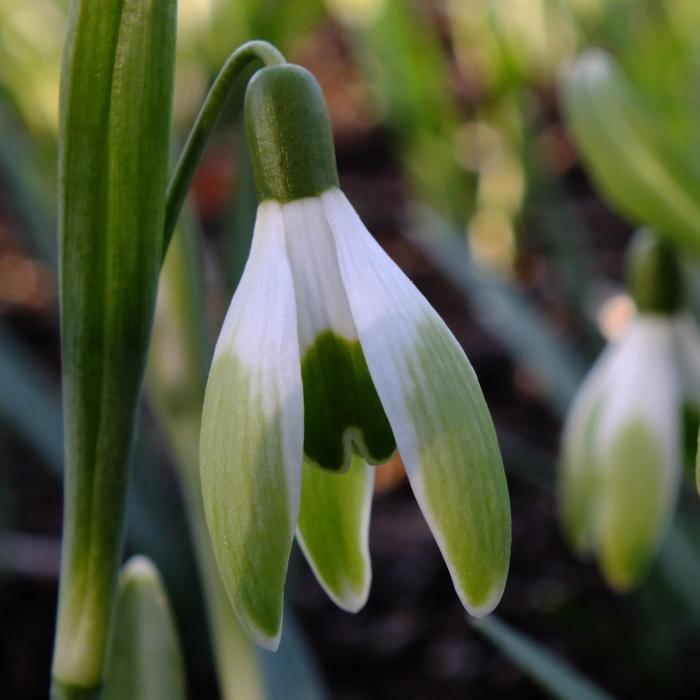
[238, 61]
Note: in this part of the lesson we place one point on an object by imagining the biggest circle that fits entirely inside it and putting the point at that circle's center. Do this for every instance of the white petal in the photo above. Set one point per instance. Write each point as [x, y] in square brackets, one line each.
[644, 385]
[252, 433]
[639, 450]
[436, 410]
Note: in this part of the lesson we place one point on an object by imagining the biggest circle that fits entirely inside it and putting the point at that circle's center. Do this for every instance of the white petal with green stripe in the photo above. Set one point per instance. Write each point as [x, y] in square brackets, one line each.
[252, 434]
[638, 447]
[333, 530]
[342, 412]
[436, 409]
[578, 483]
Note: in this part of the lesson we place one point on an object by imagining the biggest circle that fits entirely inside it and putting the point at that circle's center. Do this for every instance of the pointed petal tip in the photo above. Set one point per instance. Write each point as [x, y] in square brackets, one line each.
[333, 531]
[262, 638]
[481, 609]
[621, 581]
[350, 599]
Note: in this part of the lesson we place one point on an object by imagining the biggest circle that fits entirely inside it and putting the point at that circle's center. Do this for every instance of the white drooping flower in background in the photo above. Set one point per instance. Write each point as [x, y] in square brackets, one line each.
[622, 457]
[329, 361]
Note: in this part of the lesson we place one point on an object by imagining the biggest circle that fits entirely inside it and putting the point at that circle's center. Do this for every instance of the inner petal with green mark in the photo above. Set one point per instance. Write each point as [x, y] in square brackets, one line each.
[342, 411]
[341, 406]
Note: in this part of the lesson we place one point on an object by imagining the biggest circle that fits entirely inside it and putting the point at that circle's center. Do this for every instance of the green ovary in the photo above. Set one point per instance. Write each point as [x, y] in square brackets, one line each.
[339, 396]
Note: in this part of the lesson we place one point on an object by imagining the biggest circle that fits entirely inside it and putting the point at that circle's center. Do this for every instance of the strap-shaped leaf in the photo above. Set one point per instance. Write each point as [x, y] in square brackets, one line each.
[550, 672]
[144, 660]
[116, 99]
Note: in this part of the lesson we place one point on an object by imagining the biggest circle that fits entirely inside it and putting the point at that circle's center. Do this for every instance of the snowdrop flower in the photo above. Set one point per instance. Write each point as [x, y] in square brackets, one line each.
[329, 360]
[621, 460]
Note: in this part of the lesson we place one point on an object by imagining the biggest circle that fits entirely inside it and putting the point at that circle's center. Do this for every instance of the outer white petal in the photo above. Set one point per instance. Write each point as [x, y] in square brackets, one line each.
[687, 340]
[436, 410]
[577, 484]
[639, 450]
[333, 530]
[252, 434]
[644, 385]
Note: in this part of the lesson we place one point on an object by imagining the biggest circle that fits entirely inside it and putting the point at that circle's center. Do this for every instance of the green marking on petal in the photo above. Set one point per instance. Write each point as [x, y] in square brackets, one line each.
[466, 495]
[246, 499]
[634, 512]
[340, 400]
[333, 530]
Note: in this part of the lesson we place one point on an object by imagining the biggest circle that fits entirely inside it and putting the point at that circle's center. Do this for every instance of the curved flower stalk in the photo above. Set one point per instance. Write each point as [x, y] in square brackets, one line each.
[328, 361]
[621, 461]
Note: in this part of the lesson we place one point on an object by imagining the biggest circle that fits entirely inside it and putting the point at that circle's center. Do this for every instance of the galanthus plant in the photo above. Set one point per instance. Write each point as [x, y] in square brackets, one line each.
[621, 459]
[328, 361]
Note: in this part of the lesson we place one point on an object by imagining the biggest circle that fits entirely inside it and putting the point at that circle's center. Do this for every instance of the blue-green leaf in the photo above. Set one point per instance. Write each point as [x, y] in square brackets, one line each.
[551, 673]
